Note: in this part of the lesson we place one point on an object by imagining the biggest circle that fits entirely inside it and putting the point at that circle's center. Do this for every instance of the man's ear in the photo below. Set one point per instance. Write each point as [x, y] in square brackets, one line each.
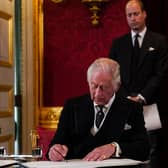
[117, 87]
[145, 14]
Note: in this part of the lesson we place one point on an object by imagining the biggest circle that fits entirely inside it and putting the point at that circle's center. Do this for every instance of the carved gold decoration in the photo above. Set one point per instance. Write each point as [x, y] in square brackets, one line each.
[95, 6]
[49, 117]
[57, 1]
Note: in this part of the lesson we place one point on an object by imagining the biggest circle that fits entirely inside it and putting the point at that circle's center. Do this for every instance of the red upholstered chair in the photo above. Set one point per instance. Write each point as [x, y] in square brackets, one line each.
[45, 136]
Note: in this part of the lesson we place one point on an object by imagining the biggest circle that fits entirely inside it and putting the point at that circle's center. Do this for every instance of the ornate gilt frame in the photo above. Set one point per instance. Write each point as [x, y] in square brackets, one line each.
[48, 117]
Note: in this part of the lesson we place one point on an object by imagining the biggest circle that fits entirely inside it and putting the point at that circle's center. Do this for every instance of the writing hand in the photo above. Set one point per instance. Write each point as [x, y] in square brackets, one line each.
[58, 152]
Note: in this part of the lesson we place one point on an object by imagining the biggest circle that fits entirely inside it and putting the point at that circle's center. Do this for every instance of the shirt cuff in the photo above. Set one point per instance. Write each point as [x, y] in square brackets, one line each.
[142, 98]
[117, 149]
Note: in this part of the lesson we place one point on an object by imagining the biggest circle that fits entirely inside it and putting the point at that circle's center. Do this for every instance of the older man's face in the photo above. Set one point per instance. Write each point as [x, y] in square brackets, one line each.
[101, 88]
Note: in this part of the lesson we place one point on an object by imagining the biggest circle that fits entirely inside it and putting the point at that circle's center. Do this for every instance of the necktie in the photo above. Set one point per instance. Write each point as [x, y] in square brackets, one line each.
[136, 49]
[99, 116]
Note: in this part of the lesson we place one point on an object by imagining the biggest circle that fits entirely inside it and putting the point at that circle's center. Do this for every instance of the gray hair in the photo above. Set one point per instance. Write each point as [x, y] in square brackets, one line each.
[106, 65]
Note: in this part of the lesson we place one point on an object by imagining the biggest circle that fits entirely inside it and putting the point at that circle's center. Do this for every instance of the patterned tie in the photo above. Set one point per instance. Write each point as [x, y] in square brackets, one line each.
[99, 116]
[136, 49]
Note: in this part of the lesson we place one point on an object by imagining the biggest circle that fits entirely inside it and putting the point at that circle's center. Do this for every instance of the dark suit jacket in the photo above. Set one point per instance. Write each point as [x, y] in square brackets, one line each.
[143, 78]
[77, 119]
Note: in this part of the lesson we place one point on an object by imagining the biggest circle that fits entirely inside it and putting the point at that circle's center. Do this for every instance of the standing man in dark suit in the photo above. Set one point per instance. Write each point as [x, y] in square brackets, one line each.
[141, 64]
[100, 125]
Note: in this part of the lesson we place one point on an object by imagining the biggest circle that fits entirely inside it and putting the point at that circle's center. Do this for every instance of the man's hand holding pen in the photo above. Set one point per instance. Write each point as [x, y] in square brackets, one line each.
[58, 152]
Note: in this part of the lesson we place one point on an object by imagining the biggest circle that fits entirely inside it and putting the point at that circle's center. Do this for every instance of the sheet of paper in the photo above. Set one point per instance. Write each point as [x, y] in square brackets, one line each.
[4, 163]
[81, 163]
[17, 156]
[151, 117]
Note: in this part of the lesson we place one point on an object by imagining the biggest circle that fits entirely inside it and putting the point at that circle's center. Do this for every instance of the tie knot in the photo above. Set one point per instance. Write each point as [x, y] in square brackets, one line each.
[100, 107]
[137, 35]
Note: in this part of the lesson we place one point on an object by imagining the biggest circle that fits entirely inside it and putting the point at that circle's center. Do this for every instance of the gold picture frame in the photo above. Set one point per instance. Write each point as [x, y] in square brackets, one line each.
[6, 40]
[48, 117]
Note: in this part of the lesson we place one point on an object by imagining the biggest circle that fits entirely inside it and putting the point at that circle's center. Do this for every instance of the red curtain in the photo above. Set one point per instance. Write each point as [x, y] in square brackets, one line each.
[71, 43]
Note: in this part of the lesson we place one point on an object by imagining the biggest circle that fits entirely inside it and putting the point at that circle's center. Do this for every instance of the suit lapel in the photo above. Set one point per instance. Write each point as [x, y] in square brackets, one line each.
[127, 58]
[128, 52]
[144, 48]
[84, 116]
[115, 120]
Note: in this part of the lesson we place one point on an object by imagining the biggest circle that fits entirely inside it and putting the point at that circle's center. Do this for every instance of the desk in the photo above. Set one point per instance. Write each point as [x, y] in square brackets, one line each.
[113, 163]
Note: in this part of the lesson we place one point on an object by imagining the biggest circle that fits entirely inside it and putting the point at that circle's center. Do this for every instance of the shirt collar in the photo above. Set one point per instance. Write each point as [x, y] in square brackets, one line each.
[142, 33]
[108, 105]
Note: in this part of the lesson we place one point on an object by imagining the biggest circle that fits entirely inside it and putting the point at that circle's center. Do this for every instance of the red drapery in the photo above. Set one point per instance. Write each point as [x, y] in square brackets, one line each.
[71, 43]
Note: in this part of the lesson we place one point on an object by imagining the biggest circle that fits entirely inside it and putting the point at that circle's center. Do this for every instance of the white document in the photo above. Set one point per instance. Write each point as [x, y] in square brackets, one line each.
[151, 117]
[4, 163]
[81, 164]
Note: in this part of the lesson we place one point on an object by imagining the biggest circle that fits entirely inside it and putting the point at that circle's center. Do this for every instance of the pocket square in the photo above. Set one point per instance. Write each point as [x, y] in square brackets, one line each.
[151, 49]
[127, 127]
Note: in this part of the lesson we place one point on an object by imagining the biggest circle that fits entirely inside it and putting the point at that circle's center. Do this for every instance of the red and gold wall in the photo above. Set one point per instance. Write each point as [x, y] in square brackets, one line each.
[71, 43]
[66, 43]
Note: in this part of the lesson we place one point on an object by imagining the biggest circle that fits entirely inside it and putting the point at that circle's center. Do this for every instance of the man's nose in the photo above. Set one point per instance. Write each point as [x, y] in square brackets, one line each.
[98, 91]
[132, 17]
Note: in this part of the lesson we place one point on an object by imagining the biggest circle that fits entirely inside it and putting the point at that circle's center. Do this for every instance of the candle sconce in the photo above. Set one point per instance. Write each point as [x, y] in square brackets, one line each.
[95, 6]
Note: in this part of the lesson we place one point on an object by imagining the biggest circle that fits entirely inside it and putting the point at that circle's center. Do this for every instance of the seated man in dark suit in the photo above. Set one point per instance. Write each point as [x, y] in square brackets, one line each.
[100, 125]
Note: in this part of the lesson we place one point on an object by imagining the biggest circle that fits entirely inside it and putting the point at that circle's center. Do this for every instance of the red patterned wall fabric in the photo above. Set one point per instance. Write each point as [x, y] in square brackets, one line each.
[71, 43]
[45, 137]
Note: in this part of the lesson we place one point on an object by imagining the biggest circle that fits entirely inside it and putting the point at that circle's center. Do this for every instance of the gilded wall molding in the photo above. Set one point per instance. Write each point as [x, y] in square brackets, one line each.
[48, 117]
